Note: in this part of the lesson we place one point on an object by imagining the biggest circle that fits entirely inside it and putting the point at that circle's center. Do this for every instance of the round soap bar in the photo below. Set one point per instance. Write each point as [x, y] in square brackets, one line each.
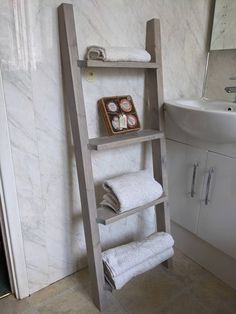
[125, 105]
[132, 121]
[112, 107]
[116, 123]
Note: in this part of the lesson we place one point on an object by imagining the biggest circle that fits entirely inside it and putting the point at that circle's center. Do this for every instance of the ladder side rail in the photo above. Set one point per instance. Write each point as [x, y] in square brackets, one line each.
[73, 95]
[154, 80]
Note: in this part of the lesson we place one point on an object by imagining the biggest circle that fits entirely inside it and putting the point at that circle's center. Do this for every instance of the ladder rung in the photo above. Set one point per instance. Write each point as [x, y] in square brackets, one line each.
[117, 64]
[107, 216]
[108, 142]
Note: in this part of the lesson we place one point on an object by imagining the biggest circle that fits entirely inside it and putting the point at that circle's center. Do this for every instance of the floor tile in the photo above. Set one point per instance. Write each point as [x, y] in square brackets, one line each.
[187, 271]
[75, 301]
[215, 295]
[80, 278]
[10, 305]
[186, 289]
[185, 303]
[149, 291]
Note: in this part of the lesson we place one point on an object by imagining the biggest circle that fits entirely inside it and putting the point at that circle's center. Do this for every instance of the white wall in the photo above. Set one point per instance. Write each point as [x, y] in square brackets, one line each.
[42, 153]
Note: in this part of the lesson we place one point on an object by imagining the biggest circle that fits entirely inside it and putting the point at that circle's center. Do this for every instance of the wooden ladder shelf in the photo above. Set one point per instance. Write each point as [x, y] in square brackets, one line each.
[73, 94]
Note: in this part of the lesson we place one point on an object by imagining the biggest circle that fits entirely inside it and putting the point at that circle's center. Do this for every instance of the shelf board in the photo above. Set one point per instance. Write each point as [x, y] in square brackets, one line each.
[107, 216]
[117, 64]
[108, 142]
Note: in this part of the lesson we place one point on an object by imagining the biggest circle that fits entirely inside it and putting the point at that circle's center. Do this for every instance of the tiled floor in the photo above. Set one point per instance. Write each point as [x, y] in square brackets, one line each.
[187, 289]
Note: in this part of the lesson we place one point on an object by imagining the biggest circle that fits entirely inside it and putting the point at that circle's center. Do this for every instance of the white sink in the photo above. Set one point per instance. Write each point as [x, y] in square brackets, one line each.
[213, 121]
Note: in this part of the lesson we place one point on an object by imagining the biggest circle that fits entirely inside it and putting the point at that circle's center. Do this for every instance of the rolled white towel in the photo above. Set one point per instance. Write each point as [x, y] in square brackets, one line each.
[130, 190]
[96, 53]
[120, 259]
[117, 54]
[124, 262]
[117, 282]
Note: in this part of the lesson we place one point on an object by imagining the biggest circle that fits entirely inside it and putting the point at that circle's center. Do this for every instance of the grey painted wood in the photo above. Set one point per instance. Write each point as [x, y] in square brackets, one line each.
[154, 88]
[73, 94]
[107, 216]
[117, 64]
[108, 142]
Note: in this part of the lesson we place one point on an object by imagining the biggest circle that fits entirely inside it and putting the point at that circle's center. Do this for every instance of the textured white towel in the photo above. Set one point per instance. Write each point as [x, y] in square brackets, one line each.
[124, 257]
[95, 53]
[124, 262]
[130, 190]
[117, 54]
[119, 281]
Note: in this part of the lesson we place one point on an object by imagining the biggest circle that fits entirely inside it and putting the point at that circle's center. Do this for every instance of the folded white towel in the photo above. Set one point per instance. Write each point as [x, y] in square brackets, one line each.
[124, 262]
[130, 190]
[124, 257]
[119, 281]
[117, 54]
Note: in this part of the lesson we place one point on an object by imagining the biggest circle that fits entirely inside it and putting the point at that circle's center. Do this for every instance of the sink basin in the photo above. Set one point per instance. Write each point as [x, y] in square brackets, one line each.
[213, 121]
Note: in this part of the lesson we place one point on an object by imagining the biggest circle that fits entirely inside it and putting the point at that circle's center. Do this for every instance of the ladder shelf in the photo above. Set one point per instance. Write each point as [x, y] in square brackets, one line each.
[108, 142]
[117, 64]
[74, 100]
[107, 216]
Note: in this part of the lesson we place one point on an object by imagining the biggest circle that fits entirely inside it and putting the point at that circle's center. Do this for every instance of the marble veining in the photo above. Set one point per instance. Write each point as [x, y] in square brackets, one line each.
[42, 150]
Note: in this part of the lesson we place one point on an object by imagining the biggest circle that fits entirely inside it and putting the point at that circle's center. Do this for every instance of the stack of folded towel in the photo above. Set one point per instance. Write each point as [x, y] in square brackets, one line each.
[117, 54]
[123, 263]
[130, 190]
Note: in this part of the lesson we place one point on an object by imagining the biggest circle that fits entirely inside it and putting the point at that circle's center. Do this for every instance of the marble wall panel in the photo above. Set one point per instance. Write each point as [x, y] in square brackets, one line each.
[39, 130]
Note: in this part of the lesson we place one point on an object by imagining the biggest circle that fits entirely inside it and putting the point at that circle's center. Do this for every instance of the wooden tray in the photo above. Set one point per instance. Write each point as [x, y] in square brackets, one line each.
[112, 108]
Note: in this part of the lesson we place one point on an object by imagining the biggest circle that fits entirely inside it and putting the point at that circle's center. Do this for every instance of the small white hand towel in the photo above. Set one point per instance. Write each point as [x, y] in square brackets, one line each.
[117, 54]
[130, 190]
[95, 53]
[124, 262]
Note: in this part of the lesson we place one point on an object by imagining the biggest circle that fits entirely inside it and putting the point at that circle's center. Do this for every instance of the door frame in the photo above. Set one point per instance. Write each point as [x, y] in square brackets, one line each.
[9, 210]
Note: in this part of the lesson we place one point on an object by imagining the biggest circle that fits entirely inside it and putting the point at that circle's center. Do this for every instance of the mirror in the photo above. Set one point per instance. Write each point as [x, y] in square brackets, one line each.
[224, 25]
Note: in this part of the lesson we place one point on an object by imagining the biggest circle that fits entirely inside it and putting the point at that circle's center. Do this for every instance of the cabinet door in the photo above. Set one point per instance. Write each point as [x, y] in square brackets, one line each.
[186, 165]
[217, 218]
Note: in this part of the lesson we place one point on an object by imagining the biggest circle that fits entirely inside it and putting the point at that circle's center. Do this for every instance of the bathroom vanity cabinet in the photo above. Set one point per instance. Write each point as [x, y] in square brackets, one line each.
[185, 190]
[202, 188]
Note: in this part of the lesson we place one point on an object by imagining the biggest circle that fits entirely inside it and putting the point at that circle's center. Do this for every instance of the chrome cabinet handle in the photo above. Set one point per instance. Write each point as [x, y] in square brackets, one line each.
[195, 166]
[208, 184]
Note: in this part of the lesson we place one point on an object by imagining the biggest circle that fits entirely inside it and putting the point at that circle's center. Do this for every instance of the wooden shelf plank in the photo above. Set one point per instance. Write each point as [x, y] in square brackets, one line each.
[108, 142]
[117, 64]
[107, 216]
